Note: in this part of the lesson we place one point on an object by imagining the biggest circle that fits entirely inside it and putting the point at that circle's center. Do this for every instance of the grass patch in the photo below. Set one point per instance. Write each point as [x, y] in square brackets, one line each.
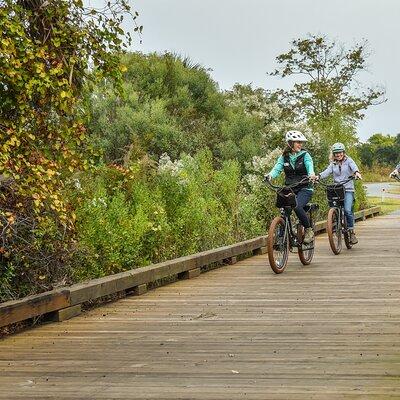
[394, 188]
[387, 206]
[376, 174]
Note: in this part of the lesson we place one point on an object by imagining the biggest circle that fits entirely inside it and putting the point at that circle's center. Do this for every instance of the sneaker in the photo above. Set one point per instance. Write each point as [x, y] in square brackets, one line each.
[308, 236]
[353, 238]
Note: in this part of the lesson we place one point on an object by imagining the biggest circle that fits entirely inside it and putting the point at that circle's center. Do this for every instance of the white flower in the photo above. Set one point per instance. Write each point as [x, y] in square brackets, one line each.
[77, 184]
[166, 165]
[264, 164]
[99, 202]
[252, 180]
[175, 168]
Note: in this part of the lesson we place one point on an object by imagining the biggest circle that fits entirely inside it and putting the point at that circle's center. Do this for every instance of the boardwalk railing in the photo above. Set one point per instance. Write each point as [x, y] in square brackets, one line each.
[65, 302]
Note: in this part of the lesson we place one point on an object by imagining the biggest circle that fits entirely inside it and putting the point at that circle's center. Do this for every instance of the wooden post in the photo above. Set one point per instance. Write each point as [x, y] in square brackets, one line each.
[192, 273]
[140, 289]
[66, 313]
[260, 251]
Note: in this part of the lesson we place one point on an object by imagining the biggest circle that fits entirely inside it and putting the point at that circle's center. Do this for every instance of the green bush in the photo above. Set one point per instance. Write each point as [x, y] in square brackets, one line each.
[130, 218]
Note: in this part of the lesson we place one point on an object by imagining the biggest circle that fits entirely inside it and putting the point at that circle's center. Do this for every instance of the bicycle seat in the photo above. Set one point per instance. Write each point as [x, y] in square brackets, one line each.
[311, 207]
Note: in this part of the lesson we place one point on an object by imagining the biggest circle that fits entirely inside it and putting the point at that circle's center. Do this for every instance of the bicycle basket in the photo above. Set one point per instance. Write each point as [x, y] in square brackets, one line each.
[285, 198]
[335, 195]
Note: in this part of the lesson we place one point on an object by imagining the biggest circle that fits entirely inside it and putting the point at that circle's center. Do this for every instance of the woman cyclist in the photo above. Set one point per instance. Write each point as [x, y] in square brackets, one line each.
[297, 165]
[342, 167]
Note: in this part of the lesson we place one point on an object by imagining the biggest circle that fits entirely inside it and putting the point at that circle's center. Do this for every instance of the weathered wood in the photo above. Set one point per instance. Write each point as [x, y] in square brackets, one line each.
[111, 284]
[230, 260]
[32, 306]
[260, 251]
[193, 273]
[77, 294]
[66, 313]
[320, 226]
[325, 331]
[139, 290]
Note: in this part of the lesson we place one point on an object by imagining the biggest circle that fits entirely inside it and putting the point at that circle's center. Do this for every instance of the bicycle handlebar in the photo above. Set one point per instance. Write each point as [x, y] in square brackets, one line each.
[350, 178]
[275, 187]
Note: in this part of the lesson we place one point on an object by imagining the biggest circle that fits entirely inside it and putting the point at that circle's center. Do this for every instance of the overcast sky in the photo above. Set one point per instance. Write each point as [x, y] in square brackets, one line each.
[239, 40]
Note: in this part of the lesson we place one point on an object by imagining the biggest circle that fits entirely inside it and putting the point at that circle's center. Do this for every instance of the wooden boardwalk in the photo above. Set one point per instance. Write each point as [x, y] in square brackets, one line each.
[330, 330]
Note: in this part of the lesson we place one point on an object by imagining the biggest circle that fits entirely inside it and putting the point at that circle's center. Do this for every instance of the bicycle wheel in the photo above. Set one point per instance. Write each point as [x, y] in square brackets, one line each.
[334, 230]
[305, 251]
[277, 245]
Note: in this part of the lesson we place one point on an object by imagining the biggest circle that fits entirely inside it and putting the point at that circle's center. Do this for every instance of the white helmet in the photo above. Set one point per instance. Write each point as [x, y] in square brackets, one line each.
[295, 136]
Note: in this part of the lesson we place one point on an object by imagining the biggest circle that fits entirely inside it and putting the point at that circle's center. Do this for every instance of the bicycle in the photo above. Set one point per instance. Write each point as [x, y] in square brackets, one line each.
[282, 237]
[336, 226]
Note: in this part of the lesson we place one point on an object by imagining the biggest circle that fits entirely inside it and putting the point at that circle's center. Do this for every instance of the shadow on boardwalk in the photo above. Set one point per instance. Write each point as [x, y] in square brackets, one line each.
[326, 331]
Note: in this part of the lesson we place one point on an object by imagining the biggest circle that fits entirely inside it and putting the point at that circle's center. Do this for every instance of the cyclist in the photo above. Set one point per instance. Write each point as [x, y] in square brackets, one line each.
[341, 167]
[297, 164]
[396, 171]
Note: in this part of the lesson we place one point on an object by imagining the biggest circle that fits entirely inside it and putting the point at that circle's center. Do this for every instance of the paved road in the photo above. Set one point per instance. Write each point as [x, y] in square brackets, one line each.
[375, 189]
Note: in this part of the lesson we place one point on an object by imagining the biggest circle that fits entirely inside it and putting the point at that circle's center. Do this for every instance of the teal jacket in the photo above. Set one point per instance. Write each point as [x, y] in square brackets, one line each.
[308, 162]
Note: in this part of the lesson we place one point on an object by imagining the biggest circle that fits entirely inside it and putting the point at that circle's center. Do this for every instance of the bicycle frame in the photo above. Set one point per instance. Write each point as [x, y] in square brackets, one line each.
[284, 234]
[337, 226]
[342, 217]
[289, 233]
[286, 213]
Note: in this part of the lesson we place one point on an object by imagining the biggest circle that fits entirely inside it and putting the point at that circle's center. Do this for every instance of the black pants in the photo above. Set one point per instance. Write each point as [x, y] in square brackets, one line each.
[302, 198]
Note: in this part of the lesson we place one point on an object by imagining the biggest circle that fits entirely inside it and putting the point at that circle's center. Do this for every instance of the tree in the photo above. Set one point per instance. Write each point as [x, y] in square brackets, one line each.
[380, 150]
[49, 49]
[329, 79]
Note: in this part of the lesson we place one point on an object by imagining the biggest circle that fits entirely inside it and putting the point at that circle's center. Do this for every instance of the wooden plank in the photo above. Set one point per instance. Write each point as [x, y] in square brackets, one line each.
[66, 313]
[363, 214]
[111, 284]
[139, 290]
[50, 301]
[325, 331]
[230, 260]
[320, 226]
[193, 273]
[32, 306]
[260, 251]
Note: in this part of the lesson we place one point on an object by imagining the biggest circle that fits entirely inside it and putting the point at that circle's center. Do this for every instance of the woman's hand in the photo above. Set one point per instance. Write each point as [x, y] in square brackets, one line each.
[313, 178]
[267, 178]
[358, 175]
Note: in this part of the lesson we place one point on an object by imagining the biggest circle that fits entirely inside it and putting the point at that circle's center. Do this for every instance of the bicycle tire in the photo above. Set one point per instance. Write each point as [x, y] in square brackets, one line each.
[305, 255]
[276, 229]
[334, 231]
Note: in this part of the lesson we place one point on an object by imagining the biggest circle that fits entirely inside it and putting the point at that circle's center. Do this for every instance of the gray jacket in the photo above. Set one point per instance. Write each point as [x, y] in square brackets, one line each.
[341, 172]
